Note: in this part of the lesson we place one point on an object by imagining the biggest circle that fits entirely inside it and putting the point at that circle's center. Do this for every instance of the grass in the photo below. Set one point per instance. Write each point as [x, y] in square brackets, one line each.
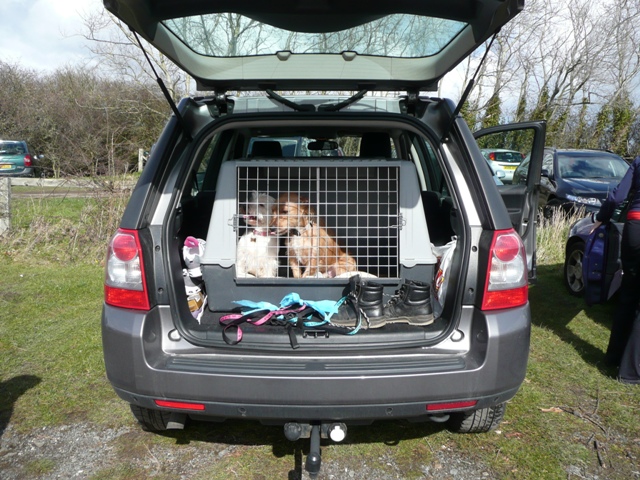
[570, 419]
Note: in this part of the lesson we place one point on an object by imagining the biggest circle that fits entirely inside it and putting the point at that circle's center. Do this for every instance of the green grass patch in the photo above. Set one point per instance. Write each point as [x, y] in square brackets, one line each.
[50, 346]
[62, 229]
[571, 418]
[39, 467]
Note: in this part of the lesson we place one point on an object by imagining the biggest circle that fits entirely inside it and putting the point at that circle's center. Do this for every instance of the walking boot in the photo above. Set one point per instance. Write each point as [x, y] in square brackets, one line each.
[411, 304]
[363, 303]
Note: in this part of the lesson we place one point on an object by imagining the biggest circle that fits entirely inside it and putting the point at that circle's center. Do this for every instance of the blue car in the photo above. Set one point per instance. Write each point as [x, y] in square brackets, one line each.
[576, 272]
[575, 178]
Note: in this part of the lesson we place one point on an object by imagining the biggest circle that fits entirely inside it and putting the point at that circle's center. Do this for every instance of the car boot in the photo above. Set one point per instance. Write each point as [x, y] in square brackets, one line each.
[363, 303]
[411, 304]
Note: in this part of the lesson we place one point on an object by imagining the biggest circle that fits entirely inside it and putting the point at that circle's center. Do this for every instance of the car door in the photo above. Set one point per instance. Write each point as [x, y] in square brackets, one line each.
[521, 199]
[602, 269]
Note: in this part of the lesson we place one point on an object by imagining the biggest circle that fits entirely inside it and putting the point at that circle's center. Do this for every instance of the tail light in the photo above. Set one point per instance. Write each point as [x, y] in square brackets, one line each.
[506, 283]
[28, 160]
[492, 156]
[125, 283]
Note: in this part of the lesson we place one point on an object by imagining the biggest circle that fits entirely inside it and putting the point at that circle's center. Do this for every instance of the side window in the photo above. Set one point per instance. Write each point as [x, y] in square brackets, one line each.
[426, 160]
[201, 175]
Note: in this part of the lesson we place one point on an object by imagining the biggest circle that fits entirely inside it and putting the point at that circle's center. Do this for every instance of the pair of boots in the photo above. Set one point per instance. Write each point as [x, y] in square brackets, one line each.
[411, 304]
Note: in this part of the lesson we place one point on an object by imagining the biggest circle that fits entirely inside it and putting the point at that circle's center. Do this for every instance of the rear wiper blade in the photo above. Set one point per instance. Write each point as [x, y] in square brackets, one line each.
[334, 107]
[288, 103]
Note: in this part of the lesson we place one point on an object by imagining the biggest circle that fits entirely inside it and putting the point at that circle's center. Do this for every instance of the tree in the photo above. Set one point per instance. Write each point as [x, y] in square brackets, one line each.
[120, 56]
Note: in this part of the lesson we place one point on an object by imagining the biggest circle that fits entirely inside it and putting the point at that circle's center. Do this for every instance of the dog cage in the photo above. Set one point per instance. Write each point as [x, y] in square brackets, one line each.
[370, 209]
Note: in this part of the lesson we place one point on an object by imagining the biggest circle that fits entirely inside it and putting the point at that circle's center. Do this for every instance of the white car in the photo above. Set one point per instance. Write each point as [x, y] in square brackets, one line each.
[507, 160]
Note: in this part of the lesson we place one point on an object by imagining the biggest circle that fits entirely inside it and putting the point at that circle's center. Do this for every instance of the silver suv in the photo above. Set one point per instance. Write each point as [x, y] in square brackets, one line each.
[378, 273]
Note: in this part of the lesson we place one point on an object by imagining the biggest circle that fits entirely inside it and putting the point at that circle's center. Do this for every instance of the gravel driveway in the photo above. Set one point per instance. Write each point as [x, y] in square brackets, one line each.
[83, 451]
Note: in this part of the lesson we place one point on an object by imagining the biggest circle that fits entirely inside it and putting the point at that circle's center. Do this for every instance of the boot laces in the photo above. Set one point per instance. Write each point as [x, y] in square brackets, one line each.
[397, 297]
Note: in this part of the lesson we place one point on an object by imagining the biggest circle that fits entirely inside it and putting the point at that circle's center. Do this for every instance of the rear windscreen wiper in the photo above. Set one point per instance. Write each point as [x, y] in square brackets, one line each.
[288, 103]
[334, 107]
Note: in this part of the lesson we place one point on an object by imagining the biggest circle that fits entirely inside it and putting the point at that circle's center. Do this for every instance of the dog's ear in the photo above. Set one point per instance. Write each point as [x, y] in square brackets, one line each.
[304, 199]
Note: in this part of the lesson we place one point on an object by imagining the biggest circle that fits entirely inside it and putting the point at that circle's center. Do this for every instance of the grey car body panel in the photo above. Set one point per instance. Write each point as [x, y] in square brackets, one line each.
[144, 363]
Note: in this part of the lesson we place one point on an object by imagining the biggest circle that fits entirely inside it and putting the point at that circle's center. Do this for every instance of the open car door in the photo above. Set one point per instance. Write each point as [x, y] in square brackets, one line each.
[601, 267]
[521, 195]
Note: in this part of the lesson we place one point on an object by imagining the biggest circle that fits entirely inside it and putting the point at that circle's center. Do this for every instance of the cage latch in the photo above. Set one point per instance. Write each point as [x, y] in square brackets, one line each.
[401, 222]
[234, 222]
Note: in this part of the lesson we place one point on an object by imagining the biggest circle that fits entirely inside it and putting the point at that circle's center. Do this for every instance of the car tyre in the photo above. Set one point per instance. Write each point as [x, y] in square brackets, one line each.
[573, 269]
[150, 420]
[477, 421]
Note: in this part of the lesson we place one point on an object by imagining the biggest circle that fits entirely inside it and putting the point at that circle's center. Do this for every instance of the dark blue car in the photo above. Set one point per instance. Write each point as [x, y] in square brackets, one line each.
[574, 178]
[576, 273]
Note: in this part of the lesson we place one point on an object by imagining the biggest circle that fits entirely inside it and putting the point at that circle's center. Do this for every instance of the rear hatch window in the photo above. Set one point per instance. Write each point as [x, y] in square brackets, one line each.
[296, 45]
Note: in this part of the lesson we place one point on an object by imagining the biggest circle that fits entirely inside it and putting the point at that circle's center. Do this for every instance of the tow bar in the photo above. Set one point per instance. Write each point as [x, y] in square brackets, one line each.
[295, 431]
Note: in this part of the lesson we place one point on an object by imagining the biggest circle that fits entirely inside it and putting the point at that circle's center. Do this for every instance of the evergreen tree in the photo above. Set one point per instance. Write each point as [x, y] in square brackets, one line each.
[601, 137]
[622, 117]
[582, 136]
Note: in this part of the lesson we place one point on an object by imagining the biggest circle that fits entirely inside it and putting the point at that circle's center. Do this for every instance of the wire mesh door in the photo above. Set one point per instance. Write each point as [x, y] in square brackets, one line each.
[330, 220]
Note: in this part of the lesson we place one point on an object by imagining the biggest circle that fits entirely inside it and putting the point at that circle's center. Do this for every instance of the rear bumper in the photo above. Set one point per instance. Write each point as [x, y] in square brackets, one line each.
[143, 365]
[25, 172]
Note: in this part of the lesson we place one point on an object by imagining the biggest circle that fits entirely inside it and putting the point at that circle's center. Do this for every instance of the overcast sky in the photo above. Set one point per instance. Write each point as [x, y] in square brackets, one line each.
[43, 34]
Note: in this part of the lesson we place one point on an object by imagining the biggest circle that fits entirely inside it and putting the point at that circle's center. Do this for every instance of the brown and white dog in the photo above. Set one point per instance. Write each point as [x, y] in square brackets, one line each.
[312, 250]
[257, 251]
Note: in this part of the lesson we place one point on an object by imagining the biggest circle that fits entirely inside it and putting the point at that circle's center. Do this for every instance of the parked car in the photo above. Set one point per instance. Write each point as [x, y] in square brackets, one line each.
[412, 203]
[503, 159]
[574, 275]
[575, 178]
[15, 159]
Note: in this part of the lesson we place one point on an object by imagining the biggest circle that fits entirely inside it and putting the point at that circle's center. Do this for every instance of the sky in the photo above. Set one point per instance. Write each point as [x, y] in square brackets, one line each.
[44, 35]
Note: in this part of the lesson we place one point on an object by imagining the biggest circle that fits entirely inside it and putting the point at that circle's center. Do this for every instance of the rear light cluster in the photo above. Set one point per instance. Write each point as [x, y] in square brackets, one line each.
[506, 283]
[28, 161]
[125, 284]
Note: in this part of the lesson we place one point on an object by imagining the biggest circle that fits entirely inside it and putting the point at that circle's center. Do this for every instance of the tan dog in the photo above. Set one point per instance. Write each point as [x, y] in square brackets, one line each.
[312, 250]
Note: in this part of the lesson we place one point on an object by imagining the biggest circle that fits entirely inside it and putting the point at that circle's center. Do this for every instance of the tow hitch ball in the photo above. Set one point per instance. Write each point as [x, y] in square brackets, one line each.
[295, 431]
